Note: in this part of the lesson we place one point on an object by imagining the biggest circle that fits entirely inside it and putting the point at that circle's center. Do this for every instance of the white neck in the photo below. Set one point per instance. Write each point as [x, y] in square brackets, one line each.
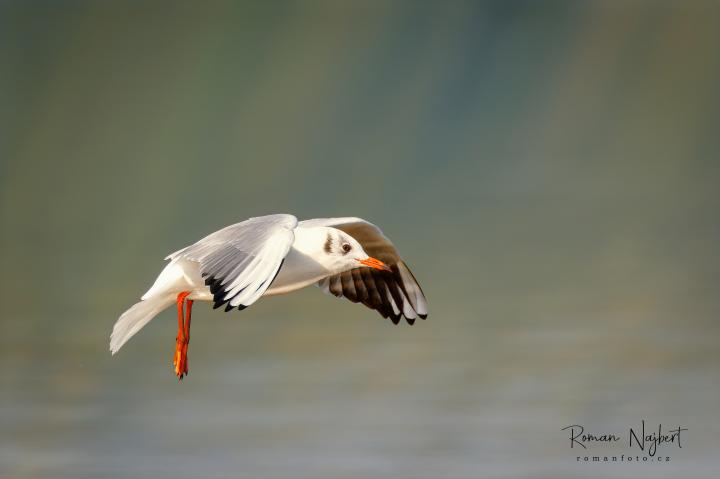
[304, 263]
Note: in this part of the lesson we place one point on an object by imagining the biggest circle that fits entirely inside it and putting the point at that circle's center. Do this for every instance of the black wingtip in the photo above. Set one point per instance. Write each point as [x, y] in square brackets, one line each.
[228, 306]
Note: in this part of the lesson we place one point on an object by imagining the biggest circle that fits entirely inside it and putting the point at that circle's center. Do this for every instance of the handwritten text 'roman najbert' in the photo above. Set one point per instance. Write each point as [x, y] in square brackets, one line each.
[650, 440]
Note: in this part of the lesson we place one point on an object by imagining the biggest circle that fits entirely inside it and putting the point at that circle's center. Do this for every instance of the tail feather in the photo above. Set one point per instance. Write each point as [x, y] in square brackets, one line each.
[133, 320]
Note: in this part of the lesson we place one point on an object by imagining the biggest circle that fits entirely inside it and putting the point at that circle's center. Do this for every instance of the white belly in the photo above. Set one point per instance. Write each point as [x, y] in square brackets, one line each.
[178, 276]
[298, 270]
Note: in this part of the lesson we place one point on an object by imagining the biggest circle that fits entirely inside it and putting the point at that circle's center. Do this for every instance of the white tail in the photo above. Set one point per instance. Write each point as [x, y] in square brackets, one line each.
[133, 320]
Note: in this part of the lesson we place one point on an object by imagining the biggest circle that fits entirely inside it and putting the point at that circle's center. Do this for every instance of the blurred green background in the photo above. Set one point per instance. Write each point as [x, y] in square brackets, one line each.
[549, 170]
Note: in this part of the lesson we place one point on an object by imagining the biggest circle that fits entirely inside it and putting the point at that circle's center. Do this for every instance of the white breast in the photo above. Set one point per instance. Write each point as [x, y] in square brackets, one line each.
[301, 266]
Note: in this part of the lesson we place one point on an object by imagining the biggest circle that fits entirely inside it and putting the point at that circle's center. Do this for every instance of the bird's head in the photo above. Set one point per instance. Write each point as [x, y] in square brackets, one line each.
[341, 252]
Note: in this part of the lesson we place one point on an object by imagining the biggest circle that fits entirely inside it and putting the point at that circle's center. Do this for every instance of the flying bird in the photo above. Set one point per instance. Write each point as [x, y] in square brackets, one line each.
[277, 254]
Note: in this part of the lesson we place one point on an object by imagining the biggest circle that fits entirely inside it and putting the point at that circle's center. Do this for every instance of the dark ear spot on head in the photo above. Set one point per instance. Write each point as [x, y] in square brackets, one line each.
[328, 244]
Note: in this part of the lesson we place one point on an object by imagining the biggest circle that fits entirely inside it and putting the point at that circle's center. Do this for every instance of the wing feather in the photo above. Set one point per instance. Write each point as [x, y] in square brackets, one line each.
[360, 288]
[240, 262]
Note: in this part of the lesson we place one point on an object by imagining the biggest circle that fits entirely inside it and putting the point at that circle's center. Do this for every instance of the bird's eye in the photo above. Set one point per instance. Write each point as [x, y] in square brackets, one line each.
[346, 247]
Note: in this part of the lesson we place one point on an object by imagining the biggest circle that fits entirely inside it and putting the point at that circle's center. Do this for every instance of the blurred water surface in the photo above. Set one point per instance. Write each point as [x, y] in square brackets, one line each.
[548, 169]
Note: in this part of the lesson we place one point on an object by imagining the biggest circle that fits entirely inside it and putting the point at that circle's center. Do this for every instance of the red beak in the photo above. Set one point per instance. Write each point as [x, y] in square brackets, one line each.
[375, 263]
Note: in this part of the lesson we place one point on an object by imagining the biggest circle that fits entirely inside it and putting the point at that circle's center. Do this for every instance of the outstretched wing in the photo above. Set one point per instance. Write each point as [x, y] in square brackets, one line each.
[240, 261]
[394, 294]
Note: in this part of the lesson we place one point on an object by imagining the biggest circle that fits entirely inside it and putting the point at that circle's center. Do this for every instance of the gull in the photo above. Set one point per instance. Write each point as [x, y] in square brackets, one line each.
[277, 254]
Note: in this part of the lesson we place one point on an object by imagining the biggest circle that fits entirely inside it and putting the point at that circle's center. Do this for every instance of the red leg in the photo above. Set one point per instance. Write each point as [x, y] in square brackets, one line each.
[188, 312]
[180, 357]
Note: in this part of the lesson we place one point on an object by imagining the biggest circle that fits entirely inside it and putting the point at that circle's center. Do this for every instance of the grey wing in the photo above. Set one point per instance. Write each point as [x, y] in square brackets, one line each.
[240, 262]
[394, 294]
